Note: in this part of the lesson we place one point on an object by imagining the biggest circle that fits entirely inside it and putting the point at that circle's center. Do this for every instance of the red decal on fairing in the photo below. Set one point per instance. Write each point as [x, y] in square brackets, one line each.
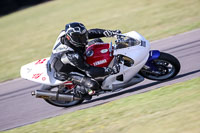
[36, 76]
[43, 78]
[40, 61]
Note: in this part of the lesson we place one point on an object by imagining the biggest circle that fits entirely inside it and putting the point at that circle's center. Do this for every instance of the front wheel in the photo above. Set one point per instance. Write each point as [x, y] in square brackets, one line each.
[63, 91]
[164, 67]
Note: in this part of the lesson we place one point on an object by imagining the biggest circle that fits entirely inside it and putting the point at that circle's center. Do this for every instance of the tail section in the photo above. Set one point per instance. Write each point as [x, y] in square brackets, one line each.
[37, 71]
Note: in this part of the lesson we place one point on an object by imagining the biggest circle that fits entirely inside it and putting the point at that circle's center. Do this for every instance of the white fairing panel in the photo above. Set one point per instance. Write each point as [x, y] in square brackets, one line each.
[139, 54]
[37, 72]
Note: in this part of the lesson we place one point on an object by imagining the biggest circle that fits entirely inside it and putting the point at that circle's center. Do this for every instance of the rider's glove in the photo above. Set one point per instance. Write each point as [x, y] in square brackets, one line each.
[111, 33]
[114, 70]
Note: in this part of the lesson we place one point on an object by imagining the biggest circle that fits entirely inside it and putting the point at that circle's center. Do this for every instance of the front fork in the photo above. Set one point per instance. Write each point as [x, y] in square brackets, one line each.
[153, 54]
[149, 66]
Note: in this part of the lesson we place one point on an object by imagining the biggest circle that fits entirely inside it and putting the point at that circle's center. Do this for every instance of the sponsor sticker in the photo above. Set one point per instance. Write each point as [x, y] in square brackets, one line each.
[28, 70]
[104, 51]
[100, 62]
[89, 53]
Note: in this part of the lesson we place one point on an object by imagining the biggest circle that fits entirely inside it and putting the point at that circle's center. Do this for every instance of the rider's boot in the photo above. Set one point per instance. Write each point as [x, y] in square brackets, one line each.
[82, 92]
[85, 85]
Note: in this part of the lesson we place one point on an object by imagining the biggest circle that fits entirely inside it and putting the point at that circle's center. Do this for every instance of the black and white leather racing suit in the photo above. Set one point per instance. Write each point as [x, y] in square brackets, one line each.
[67, 62]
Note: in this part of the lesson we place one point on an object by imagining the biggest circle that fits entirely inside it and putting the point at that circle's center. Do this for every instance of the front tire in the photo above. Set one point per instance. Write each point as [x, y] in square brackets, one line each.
[167, 67]
[60, 103]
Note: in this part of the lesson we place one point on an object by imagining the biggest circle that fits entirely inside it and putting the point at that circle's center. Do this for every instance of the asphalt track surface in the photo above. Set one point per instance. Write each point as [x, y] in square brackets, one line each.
[18, 107]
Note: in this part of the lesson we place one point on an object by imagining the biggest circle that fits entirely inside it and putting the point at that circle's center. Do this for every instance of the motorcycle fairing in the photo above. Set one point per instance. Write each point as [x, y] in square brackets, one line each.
[139, 54]
[37, 71]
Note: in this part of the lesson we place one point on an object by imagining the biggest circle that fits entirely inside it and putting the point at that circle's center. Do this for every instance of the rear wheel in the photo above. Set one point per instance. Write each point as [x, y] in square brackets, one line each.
[163, 68]
[62, 91]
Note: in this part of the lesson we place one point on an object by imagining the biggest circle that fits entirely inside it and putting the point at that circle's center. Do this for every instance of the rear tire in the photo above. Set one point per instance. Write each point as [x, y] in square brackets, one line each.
[166, 64]
[60, 103]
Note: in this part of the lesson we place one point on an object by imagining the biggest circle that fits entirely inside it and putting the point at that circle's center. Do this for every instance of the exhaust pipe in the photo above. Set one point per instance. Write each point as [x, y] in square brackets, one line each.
[53, 95]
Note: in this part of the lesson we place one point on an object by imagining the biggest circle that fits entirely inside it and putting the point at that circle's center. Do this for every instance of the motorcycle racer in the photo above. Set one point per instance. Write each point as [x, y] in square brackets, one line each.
[67, 59]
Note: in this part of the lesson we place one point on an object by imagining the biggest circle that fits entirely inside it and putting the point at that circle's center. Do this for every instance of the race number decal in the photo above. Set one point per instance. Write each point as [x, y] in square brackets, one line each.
[36, 76]
[40, 61]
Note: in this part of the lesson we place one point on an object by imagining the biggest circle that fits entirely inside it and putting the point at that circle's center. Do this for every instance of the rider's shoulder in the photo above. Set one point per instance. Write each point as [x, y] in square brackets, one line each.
[62, 48]
[62, 33]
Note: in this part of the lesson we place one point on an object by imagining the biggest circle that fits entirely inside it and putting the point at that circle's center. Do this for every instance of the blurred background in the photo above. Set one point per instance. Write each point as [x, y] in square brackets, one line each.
[9, 6]
[29, 28]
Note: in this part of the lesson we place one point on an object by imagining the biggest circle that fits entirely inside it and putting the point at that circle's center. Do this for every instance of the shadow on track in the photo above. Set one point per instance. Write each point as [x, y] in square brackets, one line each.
[139, 88]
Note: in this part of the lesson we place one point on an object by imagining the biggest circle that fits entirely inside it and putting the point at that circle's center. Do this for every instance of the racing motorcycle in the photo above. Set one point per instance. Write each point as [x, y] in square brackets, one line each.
[131, 51]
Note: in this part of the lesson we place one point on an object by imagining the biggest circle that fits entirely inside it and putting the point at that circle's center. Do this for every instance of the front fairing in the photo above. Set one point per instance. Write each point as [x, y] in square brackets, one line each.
[137, 51]
[134, 46]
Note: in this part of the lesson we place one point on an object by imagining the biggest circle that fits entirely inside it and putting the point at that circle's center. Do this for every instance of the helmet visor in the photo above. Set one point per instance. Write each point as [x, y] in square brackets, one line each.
[79, 38]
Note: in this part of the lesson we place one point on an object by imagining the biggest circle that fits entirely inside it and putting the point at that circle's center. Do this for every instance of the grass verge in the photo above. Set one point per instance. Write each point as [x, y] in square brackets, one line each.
[29, 34]
[171, 109]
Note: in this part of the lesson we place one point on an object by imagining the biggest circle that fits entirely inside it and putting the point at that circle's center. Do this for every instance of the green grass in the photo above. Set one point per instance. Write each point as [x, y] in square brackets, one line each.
[171, 109]
[29, 34]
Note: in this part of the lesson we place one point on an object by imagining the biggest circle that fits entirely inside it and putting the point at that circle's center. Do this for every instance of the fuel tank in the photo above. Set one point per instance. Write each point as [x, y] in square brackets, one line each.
[99, 54]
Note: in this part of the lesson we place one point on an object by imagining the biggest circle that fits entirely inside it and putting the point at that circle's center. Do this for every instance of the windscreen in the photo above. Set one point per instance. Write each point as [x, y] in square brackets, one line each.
[124, 42]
